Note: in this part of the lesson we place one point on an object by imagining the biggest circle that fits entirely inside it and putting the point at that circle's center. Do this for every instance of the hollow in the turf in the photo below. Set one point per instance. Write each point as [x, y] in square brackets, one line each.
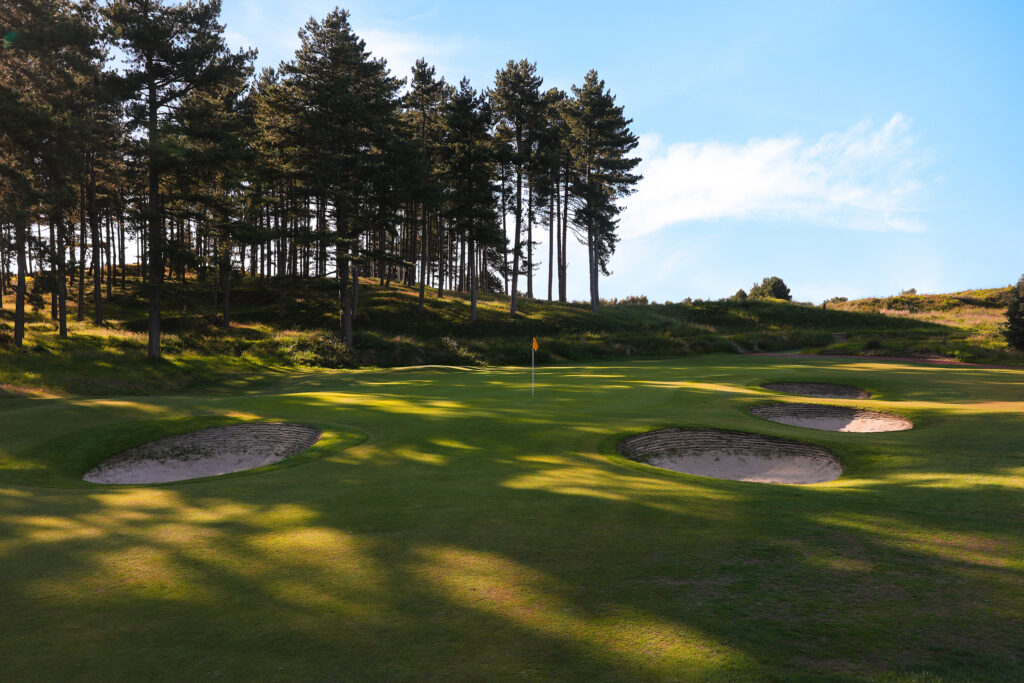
[831, 418]
[205, 453]
[733, 455]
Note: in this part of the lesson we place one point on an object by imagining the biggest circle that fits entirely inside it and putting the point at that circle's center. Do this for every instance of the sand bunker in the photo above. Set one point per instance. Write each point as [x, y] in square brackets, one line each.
[733, 455]
[816, 389]
[205, 453]
[831, 418]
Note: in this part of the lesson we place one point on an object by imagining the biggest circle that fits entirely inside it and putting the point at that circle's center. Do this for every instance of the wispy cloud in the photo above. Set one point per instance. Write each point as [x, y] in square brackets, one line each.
[865, 178]
[402, 49]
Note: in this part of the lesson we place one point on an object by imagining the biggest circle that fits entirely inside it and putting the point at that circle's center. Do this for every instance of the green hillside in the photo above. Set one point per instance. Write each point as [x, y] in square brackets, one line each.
[392, 331]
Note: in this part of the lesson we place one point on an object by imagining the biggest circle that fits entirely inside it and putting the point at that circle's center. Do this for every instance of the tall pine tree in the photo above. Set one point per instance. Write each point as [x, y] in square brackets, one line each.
[169, 50]
[600, 141]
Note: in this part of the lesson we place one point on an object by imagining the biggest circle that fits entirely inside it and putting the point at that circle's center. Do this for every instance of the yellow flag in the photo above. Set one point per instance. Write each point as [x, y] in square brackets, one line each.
[535, 344]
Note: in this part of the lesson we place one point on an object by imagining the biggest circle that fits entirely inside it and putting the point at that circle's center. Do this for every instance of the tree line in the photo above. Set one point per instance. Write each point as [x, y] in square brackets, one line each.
[132, 123]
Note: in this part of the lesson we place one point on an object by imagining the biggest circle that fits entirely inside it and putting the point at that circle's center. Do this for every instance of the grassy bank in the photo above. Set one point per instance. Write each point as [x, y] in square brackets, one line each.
[266, 338]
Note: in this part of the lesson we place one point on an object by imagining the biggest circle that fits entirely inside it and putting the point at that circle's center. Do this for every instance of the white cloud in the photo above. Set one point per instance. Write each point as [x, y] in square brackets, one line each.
[401, 50]
[864, 178]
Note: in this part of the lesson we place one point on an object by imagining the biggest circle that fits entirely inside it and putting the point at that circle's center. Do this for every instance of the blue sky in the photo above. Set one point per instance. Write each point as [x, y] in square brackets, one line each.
[852, 148]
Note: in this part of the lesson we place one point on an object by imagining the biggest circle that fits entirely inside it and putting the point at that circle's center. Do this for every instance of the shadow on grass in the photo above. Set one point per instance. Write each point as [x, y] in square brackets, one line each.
[479, 536]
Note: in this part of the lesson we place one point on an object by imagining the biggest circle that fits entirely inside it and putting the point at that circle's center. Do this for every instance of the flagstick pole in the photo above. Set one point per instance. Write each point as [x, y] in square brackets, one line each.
[531, 370]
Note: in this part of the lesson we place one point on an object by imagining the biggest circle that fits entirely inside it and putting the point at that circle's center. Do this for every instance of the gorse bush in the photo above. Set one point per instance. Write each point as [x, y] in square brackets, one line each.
[771, 288]
[1014, 327]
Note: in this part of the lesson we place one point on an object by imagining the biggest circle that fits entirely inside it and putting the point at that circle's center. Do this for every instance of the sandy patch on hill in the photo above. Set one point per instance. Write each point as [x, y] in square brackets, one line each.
[816, 389]
[733, 455]
[205, 453]
[831, 418]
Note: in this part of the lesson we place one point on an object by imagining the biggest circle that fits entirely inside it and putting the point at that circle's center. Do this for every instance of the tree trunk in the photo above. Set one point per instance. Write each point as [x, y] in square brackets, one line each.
[53, 273]
[62, 282]
[156, 235]
[108, 250]
[504, 228]
[82, 214]
[424, 256]
[120, 241]
[529, 242]
[472, 280]
[19, 295]
[354, 295]
[563, 265]
[94, 229]
[440, 259]
[551, 240]
[225, 287]
[519, 225]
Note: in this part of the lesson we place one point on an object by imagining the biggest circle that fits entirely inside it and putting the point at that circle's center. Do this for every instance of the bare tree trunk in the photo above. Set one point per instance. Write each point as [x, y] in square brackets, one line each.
[120, 242]
[472, 280]
[563, 264]
[225, 285]
[94, 225]
[19, 295]
[519, 225]
[3, 267]
[424, 256]
[62, 282]
[529, 242]
[551, 240]
[80, 313]
[108, 250]
[504, 228]
[592, 250]
[53, 273]
[440, 258]
[156, 230]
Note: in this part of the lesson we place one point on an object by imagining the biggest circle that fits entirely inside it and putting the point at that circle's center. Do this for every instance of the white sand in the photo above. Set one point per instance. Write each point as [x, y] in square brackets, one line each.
[205, 453]
[831, 418]
[733, 455]
[816, 389]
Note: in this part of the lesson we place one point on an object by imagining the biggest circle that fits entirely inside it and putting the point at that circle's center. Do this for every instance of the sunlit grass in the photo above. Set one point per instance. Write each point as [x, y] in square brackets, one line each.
[449, 526]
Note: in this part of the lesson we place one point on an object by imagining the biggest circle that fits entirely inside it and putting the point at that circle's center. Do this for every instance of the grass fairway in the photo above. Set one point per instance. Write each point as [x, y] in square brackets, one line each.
[448, 526]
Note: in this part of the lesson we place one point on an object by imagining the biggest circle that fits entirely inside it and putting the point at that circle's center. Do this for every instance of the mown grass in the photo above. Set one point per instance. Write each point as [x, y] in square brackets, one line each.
[392, 331]
[452, 527]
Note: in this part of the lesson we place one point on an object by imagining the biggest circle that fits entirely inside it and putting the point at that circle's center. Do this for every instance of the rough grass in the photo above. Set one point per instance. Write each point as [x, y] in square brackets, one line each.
[971, 324]
[478, 534]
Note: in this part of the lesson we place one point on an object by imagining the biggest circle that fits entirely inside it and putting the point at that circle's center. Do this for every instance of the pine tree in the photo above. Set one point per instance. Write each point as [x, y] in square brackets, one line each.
[49, 55]
[170, 50]
[516, 100]
[347, 105]
[469, 177]
[771, 288]
[600, 141]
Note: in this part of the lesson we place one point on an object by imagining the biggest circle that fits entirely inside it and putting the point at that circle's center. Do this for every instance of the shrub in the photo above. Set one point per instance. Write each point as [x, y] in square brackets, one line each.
[740, 295]
[908, 292]
[1013, 330]
[771, 288]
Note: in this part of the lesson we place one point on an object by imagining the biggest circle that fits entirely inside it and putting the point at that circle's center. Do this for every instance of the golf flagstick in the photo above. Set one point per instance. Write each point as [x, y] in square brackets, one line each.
[533, 351]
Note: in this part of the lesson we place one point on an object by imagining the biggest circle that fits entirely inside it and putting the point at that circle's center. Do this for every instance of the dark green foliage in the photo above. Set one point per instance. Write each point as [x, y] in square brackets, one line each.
[771, 288]
[600, 142]
[740, 295]
[1014, 328]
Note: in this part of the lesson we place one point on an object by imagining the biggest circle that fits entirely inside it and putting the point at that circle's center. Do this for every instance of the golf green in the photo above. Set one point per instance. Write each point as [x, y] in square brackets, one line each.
[449, 526]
